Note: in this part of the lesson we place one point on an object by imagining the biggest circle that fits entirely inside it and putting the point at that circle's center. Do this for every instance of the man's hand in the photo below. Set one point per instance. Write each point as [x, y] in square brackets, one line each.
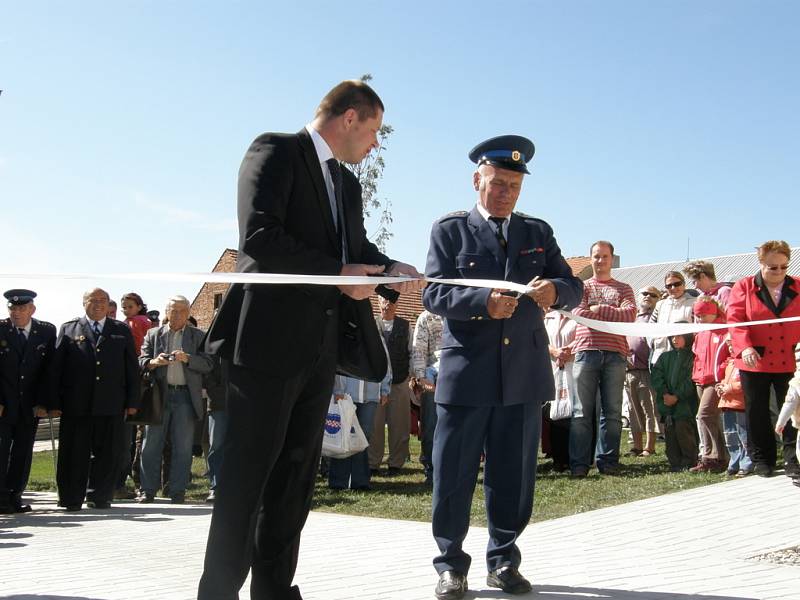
[2, 410]
[54, 413]
[670, 399]
[399, 269]
[543, 293]
[750, 357]
[181, 356]
[384, 399]
[131, 411]
[162, 360]
[38, 411]
[595, 308]
[499, 306]
[359, 292]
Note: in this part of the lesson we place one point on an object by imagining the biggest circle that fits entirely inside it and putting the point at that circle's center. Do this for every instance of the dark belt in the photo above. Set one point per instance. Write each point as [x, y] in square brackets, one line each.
[177, 387]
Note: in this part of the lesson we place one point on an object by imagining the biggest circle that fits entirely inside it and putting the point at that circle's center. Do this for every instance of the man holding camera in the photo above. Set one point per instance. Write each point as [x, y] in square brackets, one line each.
[173, 351]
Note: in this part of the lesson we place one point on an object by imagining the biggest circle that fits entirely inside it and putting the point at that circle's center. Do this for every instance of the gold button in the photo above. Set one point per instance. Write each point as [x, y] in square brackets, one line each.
[480, 317]
[97, 378]
[506, 341]
[98, 363]
[472, 264]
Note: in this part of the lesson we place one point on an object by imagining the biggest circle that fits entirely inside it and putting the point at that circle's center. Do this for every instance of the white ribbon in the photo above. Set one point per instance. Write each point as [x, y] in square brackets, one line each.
[649, 330]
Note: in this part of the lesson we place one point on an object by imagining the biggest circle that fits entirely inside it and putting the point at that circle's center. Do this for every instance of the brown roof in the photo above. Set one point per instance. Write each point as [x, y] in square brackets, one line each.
[581, 266]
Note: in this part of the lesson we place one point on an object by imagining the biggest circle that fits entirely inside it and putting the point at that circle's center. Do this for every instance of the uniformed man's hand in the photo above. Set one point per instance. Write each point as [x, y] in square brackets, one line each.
[54, 413]
[359, 292]
[38, 411]
[399, 269]
[500, 306]
[543, 293]
[131, 411]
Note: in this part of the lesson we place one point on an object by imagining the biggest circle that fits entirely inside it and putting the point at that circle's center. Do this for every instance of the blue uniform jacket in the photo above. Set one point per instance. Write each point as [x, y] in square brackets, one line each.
[489, 361]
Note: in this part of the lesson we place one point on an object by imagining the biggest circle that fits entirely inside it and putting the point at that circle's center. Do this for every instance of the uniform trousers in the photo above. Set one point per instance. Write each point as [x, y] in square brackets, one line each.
[88, 450]
[16, 452]
[397, 417]
[263, 495]
[509, 437]
[756, 387]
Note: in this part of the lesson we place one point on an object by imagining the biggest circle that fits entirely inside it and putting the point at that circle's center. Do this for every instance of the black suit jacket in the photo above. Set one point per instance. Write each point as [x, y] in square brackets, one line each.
[25, 373]
[95, 377]
[286, 226]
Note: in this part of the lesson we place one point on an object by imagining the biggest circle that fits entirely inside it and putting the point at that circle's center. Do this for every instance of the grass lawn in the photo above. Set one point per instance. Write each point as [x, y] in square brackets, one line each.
[407, 497]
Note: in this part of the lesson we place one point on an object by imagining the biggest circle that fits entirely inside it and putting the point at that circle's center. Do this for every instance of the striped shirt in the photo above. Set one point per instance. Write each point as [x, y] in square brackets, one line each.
[616, 302]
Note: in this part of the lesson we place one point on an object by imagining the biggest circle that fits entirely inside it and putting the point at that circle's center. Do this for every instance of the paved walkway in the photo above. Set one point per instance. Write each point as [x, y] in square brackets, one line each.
[690, 545]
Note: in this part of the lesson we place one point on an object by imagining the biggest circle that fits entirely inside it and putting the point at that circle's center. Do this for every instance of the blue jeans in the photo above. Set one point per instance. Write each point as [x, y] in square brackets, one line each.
[353, 471]
[217, 426]
[604, 372]
[734, 428]
[178, 419]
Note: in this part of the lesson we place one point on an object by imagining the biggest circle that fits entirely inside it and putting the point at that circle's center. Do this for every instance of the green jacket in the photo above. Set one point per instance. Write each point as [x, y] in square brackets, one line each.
[672, 374]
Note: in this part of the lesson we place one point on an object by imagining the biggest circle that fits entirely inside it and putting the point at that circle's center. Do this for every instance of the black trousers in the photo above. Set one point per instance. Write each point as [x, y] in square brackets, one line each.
[266, 480]
[88, 451]
[760, 432]
[16, 451]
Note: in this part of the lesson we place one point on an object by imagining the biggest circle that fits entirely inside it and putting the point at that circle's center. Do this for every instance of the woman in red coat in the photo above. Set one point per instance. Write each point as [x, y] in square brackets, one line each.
[765, 353]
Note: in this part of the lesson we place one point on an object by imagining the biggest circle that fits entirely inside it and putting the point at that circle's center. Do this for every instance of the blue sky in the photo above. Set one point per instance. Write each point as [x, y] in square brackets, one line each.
[122, 125]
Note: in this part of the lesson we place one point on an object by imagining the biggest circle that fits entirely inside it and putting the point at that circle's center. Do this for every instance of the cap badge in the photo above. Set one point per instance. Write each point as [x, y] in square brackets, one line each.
[515, 155]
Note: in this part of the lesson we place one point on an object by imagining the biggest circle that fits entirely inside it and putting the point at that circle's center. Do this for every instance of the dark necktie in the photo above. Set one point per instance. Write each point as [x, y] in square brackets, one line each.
[96, 328]
[498, 221]
[22, 339]
[338, 219]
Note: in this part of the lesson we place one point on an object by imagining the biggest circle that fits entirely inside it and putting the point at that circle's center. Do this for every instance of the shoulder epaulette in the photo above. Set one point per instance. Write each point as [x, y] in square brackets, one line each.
[453, 215]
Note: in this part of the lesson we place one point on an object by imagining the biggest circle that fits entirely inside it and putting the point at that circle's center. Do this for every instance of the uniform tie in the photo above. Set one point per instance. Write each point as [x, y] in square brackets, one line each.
[23, 339]
[338, 218]
[96, 329]
[498, 221]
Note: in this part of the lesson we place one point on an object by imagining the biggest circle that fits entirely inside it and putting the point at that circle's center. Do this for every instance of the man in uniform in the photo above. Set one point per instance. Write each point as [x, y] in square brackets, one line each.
[97, 385]
[494, 369]
[26, 350]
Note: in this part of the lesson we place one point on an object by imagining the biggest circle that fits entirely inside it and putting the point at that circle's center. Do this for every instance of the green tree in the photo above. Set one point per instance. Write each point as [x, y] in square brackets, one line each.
[369, 171]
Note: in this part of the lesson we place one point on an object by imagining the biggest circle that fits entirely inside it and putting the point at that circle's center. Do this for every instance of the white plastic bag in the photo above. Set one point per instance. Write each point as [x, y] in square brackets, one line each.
[561, 406]
[343, 435]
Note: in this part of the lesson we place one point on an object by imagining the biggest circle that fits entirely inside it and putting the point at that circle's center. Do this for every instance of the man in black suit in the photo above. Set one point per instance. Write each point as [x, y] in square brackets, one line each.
[97, 384]
[26, 351]
[299, 212]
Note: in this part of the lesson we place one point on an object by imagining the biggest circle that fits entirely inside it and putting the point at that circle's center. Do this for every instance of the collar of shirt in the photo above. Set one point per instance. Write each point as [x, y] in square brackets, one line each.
[101, 323]
[324, 151]
[26, 329]
[387, 325]
[485, 214]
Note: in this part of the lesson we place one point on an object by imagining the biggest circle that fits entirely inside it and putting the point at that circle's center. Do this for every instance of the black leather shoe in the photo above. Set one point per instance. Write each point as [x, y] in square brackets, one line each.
[179, 499]
[762, 470]
[452, 585]
[72, 507]
[509, 580]
[146, 498]
[98, 504]
[19, 507]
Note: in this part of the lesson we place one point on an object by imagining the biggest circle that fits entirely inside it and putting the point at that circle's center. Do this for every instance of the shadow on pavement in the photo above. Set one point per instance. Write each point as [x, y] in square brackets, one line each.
[46, 597]
[560, 592]
[57, 517]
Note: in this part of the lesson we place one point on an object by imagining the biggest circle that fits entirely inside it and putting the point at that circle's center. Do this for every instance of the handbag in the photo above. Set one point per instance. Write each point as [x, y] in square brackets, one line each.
[343, 435]
[561, 406]
[151, 404]
[361, 354]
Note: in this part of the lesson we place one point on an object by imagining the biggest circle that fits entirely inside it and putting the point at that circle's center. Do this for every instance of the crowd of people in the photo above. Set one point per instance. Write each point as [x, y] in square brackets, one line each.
[716, 397]
[89, 374]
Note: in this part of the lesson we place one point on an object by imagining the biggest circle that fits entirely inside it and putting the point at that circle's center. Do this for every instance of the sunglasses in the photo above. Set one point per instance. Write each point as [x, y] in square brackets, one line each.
[676, 284]
[776, 267]
[650, 294]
